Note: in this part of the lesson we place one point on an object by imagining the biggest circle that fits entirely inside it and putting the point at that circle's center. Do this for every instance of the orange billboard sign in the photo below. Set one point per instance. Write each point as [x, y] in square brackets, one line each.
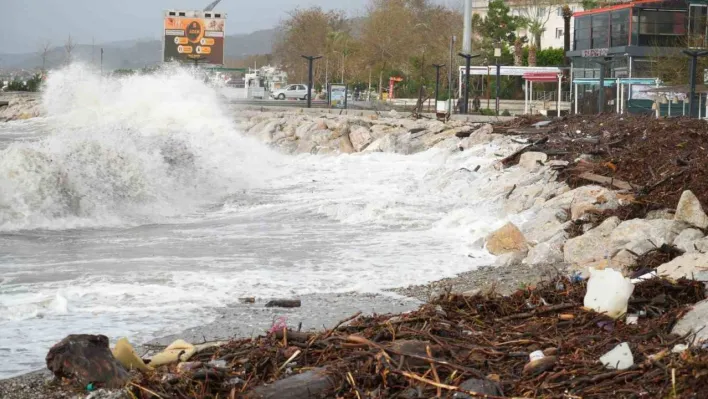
[194, 36]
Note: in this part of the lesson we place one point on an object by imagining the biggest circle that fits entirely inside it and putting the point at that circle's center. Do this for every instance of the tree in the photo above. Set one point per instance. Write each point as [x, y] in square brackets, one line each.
[590, 4]
[305, 33]
[499, 25]
[567, 16]
[44, 53]
[536, 14]
[69, 46]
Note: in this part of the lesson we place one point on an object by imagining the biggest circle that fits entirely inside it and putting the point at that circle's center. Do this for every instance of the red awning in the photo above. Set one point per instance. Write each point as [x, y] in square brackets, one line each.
[541, 76]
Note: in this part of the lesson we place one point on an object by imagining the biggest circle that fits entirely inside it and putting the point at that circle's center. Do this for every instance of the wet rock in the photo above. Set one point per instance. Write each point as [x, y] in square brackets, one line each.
[623, 259]
[689, 210]
[85, 359]
[506, 239]
[591, 246]
[686, 240]
[284, 303]
[696, 320]
[691, 265]
[533, 161]
[316, 383]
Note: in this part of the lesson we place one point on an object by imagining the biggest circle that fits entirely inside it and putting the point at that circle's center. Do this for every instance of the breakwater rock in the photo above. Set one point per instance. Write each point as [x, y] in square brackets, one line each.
[18, 106]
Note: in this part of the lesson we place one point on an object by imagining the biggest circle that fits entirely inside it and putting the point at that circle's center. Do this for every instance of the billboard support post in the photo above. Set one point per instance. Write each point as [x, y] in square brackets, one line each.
[310, 59]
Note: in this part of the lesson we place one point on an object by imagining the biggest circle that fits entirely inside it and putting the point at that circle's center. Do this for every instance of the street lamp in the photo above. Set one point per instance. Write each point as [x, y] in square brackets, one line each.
[310, 59]
[468, 58]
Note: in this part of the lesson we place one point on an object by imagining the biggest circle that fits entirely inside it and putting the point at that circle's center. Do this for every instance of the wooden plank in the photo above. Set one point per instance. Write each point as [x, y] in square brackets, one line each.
[620, 184]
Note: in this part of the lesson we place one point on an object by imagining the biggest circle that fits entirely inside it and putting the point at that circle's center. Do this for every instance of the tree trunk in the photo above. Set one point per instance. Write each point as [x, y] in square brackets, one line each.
[537, 39]
[518, 53]
[567, 15]
[532, 55]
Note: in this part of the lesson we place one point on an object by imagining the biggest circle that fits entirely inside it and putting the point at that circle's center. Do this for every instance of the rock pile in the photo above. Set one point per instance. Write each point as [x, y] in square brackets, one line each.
[20, 106]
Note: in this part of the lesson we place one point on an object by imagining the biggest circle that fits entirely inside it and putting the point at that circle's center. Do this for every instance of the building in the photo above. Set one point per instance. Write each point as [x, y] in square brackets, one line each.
[626, 38]
[552, 15]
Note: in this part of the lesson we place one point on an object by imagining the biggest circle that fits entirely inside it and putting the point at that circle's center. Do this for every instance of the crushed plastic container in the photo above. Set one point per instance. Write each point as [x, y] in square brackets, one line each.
[608, 292]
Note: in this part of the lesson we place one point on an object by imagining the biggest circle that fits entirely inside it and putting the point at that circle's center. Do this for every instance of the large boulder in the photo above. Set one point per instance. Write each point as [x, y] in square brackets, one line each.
[592, 246]
[547, 253]
[696, 321]
[689, 210]
[686, 240]
[533, 161]
[506, 239]
[86, 359]
[360, 137]
[584, 200]
[649, 233]
[691, 265]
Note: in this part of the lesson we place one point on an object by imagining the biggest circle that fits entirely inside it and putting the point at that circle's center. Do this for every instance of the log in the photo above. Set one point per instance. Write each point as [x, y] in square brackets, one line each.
[284, 303]
[620, 184]
[316, 383]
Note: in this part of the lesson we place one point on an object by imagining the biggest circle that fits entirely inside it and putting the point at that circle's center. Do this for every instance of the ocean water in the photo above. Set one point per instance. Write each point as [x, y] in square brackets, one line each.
[136, 207]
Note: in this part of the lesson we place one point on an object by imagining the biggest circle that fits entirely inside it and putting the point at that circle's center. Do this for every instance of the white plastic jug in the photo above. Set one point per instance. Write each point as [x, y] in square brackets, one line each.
[608, 292]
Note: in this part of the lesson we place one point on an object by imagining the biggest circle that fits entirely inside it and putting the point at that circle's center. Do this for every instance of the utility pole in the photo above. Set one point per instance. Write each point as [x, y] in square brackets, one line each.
[497, 54]
[467, 28]
[310, 59]
[368, 93]
[693, 103]
[468, 59]
[449, 76]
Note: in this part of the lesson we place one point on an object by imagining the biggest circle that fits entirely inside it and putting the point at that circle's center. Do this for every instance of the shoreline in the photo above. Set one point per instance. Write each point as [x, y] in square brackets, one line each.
[505, 278]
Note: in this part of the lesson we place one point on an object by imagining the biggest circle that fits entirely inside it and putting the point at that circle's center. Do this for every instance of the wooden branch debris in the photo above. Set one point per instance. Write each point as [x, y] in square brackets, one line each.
[620, 184]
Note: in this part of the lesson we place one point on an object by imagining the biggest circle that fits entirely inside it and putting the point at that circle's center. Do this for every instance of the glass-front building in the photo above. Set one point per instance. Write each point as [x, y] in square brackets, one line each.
[626, 37]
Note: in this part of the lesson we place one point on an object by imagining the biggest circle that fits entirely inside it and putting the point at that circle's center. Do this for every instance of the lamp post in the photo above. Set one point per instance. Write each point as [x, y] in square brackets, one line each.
[468, 58]
[437, 82]
[692, 103]
[310, 59]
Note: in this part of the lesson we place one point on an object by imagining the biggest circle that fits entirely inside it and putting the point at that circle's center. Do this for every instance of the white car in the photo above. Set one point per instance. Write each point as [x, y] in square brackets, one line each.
[297, 91]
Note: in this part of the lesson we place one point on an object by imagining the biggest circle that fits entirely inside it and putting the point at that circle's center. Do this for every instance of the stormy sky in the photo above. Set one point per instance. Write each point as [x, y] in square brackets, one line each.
[28, 23]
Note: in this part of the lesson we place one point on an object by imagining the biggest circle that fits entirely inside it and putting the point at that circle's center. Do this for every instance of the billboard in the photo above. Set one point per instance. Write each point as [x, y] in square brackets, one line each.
[194, 36]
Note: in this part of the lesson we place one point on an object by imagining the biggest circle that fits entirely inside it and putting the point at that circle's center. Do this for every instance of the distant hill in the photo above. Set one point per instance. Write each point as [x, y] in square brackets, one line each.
[136, 53]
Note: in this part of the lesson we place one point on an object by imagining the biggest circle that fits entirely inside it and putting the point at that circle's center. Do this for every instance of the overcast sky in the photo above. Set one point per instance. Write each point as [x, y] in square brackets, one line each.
[27, 23]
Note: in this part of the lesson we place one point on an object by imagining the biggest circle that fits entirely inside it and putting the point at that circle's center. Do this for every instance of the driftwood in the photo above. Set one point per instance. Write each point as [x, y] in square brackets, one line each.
[620, 184]
[316, 383]
[284, 303]
[509, 159]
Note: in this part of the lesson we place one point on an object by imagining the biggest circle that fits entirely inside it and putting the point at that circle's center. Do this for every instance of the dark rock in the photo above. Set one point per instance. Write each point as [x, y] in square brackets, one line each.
[284, 303]
[316, 383]
[86, 359]
[483, 387]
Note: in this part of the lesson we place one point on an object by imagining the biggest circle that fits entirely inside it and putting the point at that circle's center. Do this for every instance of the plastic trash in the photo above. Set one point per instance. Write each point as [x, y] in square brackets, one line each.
[619, 358]
[608, 292]
[178, 351]
[125, 354]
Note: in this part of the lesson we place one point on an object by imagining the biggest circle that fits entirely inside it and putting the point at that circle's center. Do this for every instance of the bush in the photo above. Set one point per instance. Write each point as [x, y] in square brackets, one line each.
[487, 112]
[32, 84]
[506, 113]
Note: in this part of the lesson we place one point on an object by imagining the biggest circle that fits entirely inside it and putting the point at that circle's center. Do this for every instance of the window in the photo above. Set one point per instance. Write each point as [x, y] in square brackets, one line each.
[583, 28]
[559, 11]
[619, 28]
[600, 30]
[559, 33]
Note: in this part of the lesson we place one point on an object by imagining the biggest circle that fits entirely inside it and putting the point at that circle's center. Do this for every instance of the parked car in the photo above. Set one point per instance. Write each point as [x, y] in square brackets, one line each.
[298, 91]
